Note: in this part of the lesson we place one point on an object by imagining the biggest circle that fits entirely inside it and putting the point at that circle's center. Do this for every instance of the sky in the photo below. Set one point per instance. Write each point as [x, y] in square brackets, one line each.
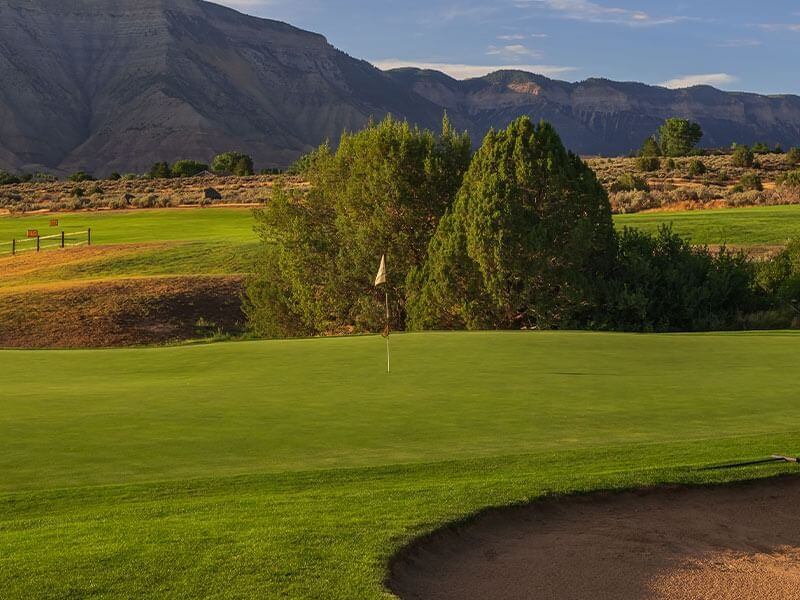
[730, 44]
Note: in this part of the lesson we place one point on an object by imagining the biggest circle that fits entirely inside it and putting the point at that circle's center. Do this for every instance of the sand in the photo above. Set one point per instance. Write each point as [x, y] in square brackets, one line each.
[733, 542]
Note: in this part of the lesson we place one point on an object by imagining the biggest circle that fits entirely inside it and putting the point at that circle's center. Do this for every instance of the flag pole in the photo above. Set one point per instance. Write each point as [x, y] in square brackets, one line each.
[388, 351]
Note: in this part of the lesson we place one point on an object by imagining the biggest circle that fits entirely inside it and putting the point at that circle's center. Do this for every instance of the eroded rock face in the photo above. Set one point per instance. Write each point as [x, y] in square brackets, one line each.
[115, 85]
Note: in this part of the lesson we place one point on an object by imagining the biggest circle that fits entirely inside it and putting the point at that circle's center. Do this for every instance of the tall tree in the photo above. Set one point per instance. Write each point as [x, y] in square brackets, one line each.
[679, 137]
[382, 191]
[529, 234]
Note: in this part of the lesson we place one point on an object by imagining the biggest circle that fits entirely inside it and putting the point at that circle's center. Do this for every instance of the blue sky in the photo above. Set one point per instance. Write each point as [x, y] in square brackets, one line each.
[731, 44]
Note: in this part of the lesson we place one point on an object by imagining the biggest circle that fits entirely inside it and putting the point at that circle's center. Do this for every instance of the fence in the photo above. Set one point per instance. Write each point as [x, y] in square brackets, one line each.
[37, 243]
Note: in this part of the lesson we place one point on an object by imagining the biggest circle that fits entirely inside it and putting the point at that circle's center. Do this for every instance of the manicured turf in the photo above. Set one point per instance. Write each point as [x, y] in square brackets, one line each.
[294, 469]
[770, 225]
[134, 226]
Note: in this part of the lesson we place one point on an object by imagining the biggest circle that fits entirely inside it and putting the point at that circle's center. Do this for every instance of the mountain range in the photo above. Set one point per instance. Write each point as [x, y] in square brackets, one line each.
[115, 85]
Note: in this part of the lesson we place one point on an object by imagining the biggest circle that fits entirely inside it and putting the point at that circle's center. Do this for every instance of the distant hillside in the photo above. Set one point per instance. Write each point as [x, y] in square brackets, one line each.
[113, 85]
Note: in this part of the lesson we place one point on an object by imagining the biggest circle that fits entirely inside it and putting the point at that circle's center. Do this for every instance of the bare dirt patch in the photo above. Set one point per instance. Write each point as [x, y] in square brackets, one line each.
[727, 543]
[120, 312]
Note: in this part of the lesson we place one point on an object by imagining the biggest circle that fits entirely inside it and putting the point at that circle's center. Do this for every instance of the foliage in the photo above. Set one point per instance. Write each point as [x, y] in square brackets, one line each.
[697, 167]
[648, 163]
[790, 179]
[780, 277]
[529, 234]
[382, 192]
[304, 163]
[233, 163]
[743, 156]
[115, 176]
[81, 176]
[187, 168]
[750, 182]
[650, 148]
[7, 178]
[679, 137]
[793, 157]
[160, 170]
[664, 284]
[628, 182]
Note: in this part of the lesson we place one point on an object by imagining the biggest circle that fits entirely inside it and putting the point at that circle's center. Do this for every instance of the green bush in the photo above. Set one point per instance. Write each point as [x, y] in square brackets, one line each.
[160, 170]
[77, 192]
[793, 157]
[80, 176]
[115, 176]
[7, 178]
[670, 165]
[628, 182]
[650, 148]
[790, 179]
[750, 182]
[648, 163]
[697, 167]
[233, 163]
[382, 191]
[187, 168]
[743, 156]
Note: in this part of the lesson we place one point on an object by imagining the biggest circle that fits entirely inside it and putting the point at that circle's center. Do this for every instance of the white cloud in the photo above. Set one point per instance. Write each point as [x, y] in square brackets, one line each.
[584, 10]
[513, 51]
[740, 43]
[781, 27]
[715, 79]
[511, 38]
[462, 71]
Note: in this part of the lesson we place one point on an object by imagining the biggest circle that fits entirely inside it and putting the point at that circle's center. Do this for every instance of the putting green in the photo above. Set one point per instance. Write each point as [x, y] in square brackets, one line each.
[295, 468]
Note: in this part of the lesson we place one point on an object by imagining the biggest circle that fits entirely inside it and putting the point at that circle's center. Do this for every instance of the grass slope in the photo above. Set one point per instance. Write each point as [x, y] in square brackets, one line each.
[735, 226]
[294, 469]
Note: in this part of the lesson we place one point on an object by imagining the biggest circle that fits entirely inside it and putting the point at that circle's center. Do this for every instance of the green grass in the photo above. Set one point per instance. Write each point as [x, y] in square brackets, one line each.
[294, 469]
[136, 226]
[770, 225]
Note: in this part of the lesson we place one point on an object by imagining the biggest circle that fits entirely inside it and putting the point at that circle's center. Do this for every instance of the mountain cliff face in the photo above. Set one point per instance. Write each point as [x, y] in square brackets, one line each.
[119, 84]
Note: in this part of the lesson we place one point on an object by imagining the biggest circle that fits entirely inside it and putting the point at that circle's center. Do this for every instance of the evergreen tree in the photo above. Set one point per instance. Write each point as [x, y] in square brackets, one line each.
[679, 137]
[233, 163]
[529, 234]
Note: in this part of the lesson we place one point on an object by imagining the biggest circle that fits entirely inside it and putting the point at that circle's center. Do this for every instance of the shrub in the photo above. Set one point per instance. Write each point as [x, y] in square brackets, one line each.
[160, 170]
[790, 179]
[7, 178]
[188, 168]
[382, 191]
[628, 182]
[77, 192]
[750, 182]
[671, 166]
[743, 156]
[80, 176]
[233, 163]
[793, 157]
[761, 148]
[115, 176]
[697, 167]
[648, 163]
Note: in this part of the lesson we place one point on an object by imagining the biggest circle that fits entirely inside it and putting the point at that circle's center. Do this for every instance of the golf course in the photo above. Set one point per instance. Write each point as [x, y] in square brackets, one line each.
[298, 468]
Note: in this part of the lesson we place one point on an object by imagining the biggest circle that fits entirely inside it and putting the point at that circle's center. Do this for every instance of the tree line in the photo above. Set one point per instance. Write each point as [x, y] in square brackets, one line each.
[518, 235]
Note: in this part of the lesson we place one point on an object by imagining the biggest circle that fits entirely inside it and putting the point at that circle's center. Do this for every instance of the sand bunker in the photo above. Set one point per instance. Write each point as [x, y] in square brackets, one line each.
[733, 542]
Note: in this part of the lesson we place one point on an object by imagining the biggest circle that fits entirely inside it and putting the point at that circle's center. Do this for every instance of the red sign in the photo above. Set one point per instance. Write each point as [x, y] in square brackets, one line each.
[33, 233]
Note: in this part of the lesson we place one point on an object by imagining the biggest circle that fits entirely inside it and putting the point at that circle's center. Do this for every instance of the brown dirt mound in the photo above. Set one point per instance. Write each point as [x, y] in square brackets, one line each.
[120, 312]
[735, 542]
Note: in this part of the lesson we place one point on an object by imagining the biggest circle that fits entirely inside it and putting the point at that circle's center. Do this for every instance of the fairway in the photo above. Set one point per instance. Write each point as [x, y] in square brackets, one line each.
[773, 225]
[296, 468]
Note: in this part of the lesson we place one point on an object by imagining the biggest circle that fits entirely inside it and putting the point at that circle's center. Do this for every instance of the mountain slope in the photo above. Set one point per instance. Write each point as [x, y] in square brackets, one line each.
[118, 84]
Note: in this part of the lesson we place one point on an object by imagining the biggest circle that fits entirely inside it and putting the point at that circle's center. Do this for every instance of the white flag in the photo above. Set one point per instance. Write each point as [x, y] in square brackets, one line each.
[381, 278]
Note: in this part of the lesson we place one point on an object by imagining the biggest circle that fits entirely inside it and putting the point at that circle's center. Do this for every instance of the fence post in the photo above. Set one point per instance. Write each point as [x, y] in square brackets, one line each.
[37, 243]
[89, 236]
[13, 247]
[62, 239]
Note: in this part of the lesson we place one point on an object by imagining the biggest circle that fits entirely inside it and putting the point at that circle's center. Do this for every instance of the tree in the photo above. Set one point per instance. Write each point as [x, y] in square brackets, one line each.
[743, 156]
[382, 191]
[233, 163]
[650, 148]
[679, 137]
[160, 170]
[7, 178]
[697, 167]
[529, 235]
[80, 176]
[793, 157]
[188, 168]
